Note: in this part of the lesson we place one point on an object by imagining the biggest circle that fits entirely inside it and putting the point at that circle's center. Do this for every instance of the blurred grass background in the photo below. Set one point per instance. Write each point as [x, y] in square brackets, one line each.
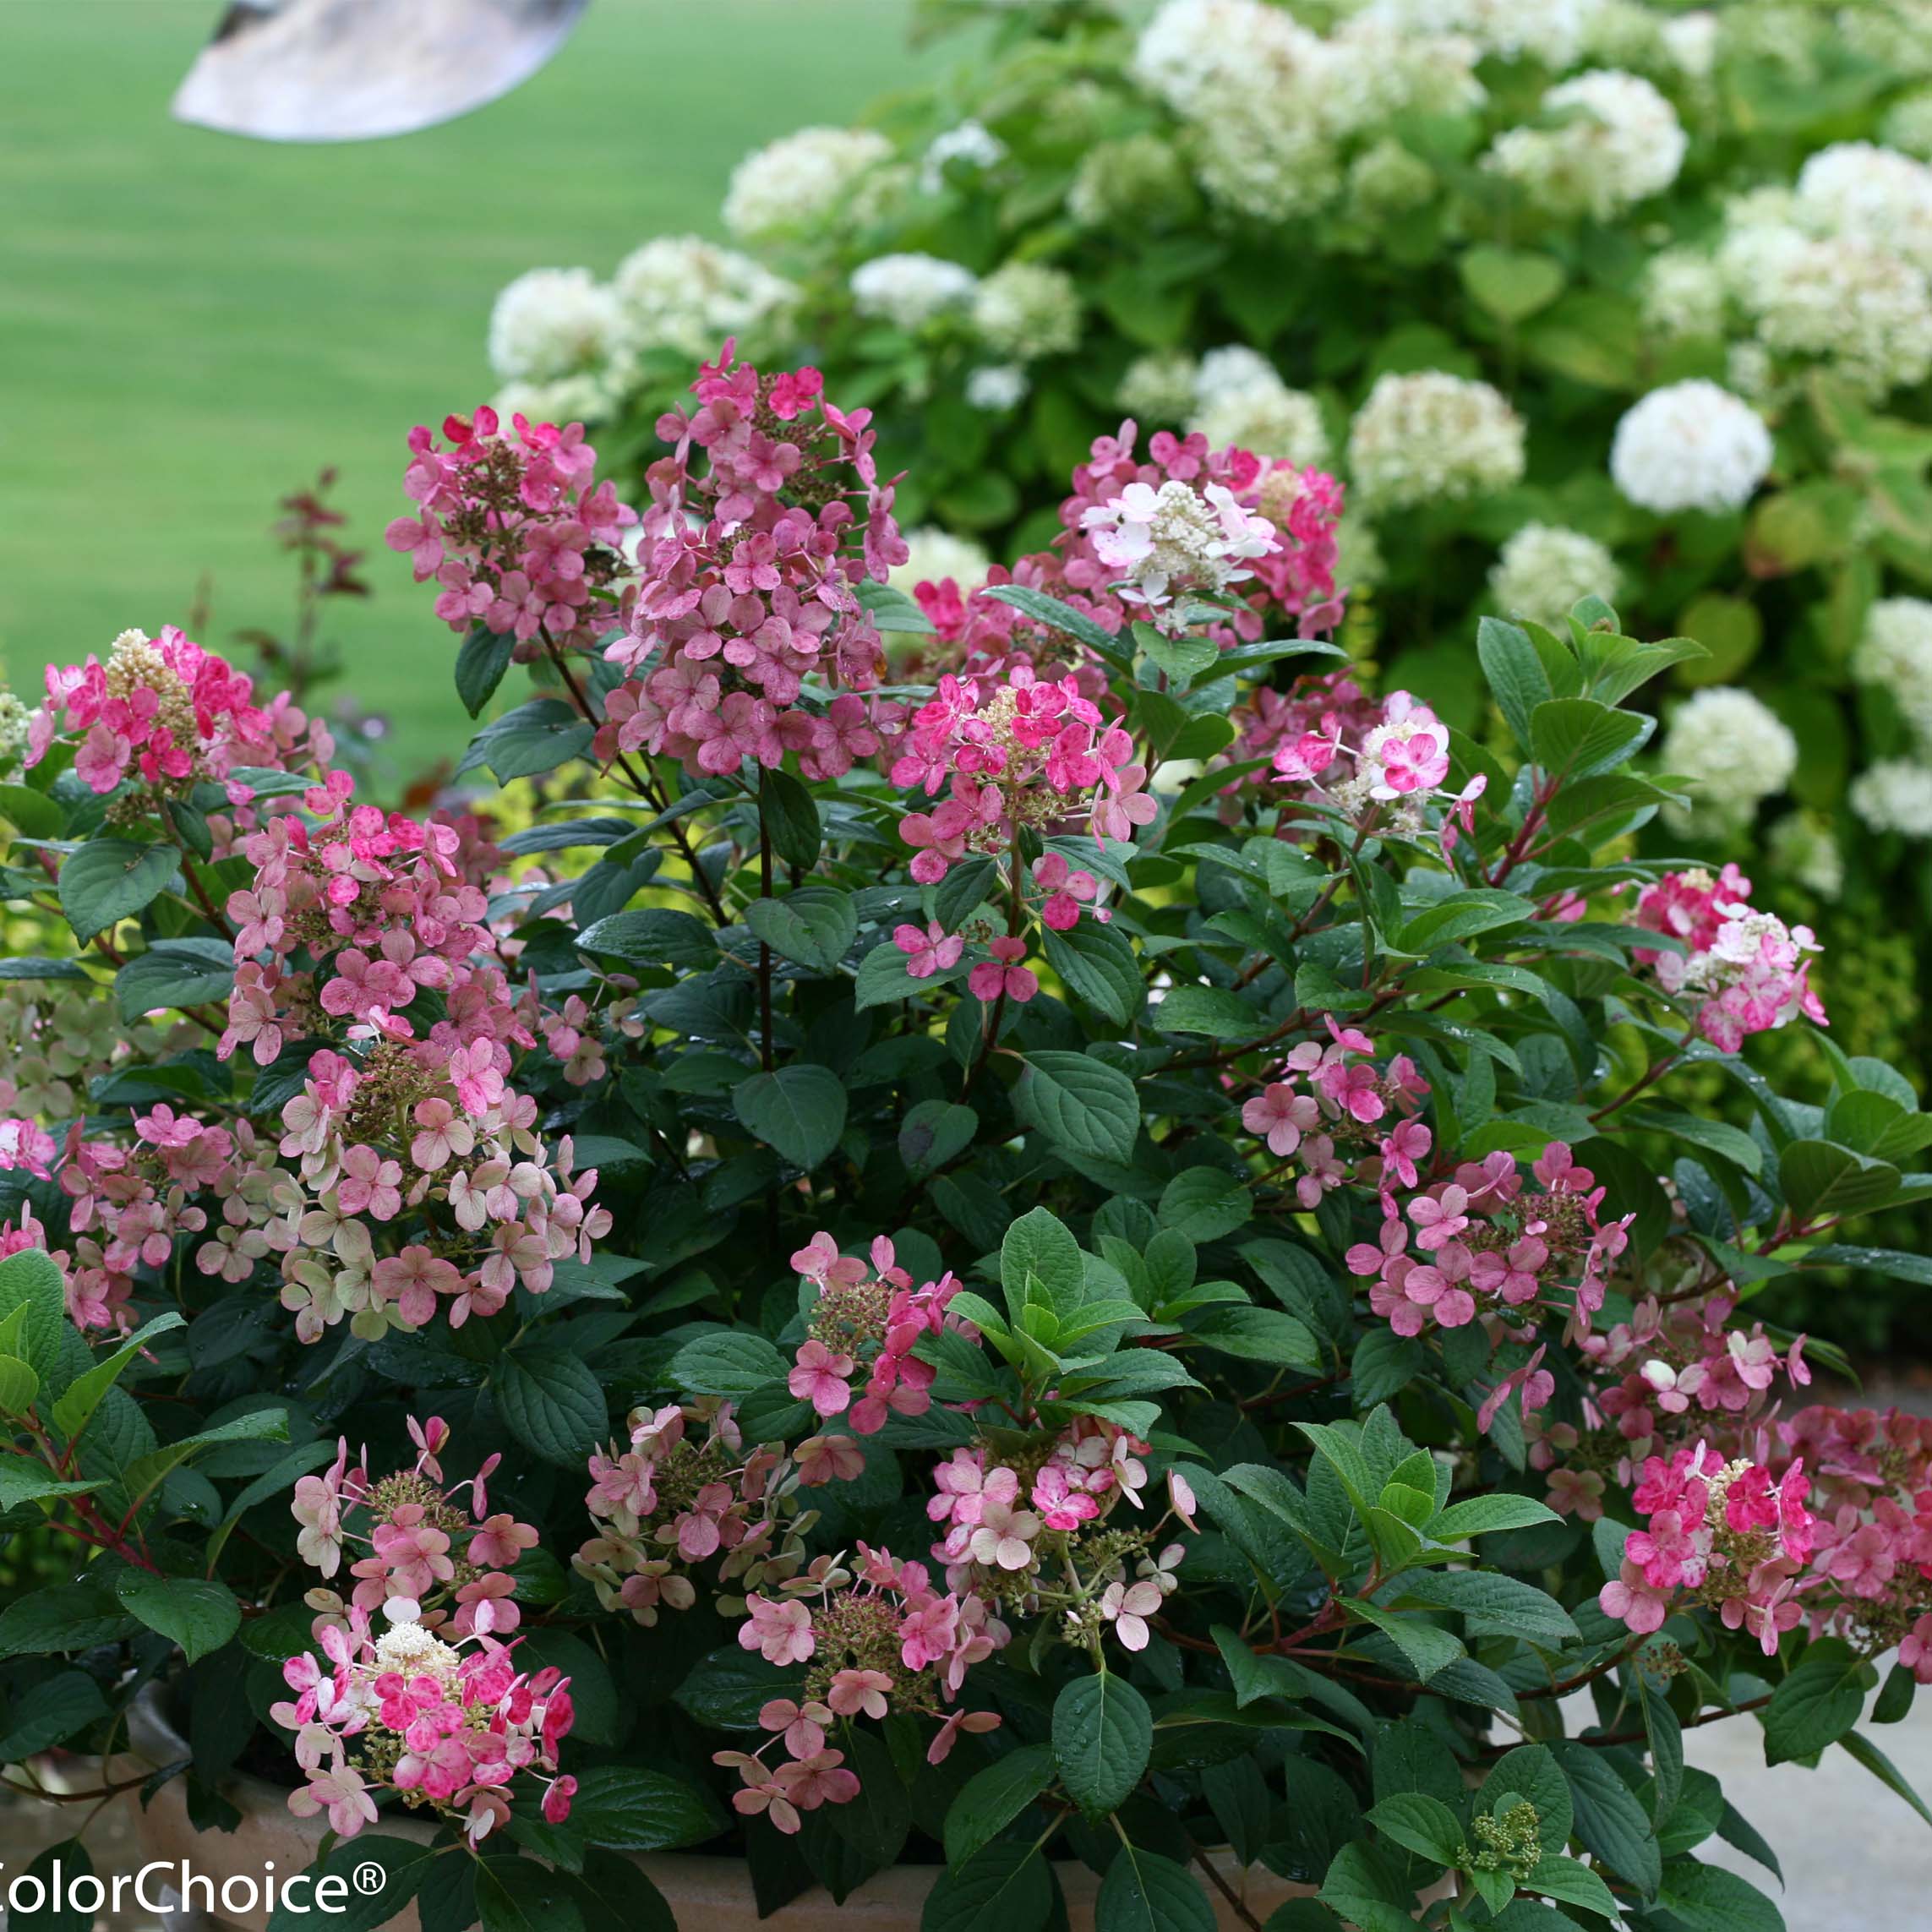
[192, 324]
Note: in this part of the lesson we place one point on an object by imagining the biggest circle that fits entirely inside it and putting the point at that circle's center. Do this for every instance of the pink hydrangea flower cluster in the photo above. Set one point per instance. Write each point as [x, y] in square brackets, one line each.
[866, 1321]
[515, 533]
[433, 1706]
[748, 583]
[1729, 1534]
[170, 715]
[1369, 1110]
[1293, 577]
[1485, 1241]
[1388, 776]
[879, 1639]
[670, 1499]
[1684, 1359]
[1744, 970]
[1016, 1537]
[1175, 542]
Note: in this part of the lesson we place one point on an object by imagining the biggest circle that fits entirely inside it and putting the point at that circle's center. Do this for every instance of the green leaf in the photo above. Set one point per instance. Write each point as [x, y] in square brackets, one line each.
[1707, 1898]
[481, 663]
[404, 1864]
[893, 610]
[71, 1855]
[1038, 1252]
[1419, 1824]
[64, 1617]
[789, 814]
[1510, 283]
[534, 739]
[994, 1798]
[815, 925]
[1178, 657]
[518, 1895]
[1560, 1878]
[1516, 672]
[631, 1809]
[883, 978]
[1820, 1179]
[1202, 1204]
[1428, 1648]
[1219, 1015]
[876, 1824]
[75, 1407]
[1102, 1734]
[799, 1111]
[1612, 1824]
[1369, 1888]
[1256, 1335]
[1144, 1891]
[24, 1481]
[1577, 738]
[1098, 964]
[551, 1403]
[1885, 1770]
[109, 880]
[50, 1713]
[933, 1132]
[731, 1361]
[196, 1612]
[1818, 1703]
[1495, 1604]
[653, 935]
[1058, 616]
[1482, 1515]
[1082, 1105]
[33, 814]
[32, 1279]
[175, 973]
[36, 968]
[1007, 1886]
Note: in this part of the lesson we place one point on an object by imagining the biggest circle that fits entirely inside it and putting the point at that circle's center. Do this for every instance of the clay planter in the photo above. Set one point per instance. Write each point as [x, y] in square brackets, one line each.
[705, 1894]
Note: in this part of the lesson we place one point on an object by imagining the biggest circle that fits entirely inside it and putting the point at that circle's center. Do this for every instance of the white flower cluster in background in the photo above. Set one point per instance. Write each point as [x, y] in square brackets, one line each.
[1690, 446]
[910, 289]
[1735, 748]
[972, 145]
[937, 554]
[1550, 32]
[1429, 435]
[1134, 179]
[1894, 796]
[1241, 402]
[1158, 388]
[552, 323]
[1683, 294]
[1615, 141]
[995, 387]
[801, 180]
[1802, 847]
[1544, 569]
[680, 292]
[1894, 653]
[1026, 310]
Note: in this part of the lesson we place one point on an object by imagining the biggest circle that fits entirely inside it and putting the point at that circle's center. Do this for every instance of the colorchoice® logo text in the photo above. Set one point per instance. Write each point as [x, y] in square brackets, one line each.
[165, 1886]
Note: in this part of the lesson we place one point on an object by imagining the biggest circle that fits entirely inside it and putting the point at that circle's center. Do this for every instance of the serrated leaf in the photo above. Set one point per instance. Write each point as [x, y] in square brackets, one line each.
[551, 1403]
[481, 662]
[1102, 1734]
[196, 1612]
[815, 925]
[798, 1111]
[1083, 1105]
[108, 880]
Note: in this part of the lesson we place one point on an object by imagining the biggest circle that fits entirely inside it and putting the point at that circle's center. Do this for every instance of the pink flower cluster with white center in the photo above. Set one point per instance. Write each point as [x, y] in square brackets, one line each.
[866, 1321]
[170, 714]
[435, 1706]
[1483, 1234]
[1684, 1359]
[1174, 542]
[515, 535]
[748, 580]
[1730, 1534]
[1369, 1110]
[1745, 971]
[1386, 775]
[670, 1500]
[878, 1639]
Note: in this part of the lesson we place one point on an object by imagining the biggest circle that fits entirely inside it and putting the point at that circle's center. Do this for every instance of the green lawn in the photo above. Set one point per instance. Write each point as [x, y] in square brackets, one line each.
[192, 323]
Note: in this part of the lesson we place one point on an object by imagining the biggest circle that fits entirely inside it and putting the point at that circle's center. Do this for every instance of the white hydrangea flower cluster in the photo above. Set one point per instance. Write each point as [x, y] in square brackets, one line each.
[1690, 39]
[1908, 126]
[972, 145]
[911, 289]
[552, 323]
[1431, 435]
[587, 399]
[1269, 104]
[1616, 141]
[1552, 33]
[1735, 748]
[1027, 310]
[1545, 569]
[800, 180]
[1894, 653]
[1682, 294]
[996, 387]
[1802, 847]
[683, 293]
[1129, 180]
[1871, 193]
[1894, 796]
[935, 554]
[1240, 401]
[15, 718]
[1690, 446]
[1158, 388]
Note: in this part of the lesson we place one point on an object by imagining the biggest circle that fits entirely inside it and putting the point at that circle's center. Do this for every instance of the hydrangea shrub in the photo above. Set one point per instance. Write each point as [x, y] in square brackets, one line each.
[1598, 298]
[1075, 1240]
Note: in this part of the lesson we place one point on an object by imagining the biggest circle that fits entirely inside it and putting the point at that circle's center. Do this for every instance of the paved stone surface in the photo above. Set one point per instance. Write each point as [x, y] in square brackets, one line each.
[1856, 1857]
